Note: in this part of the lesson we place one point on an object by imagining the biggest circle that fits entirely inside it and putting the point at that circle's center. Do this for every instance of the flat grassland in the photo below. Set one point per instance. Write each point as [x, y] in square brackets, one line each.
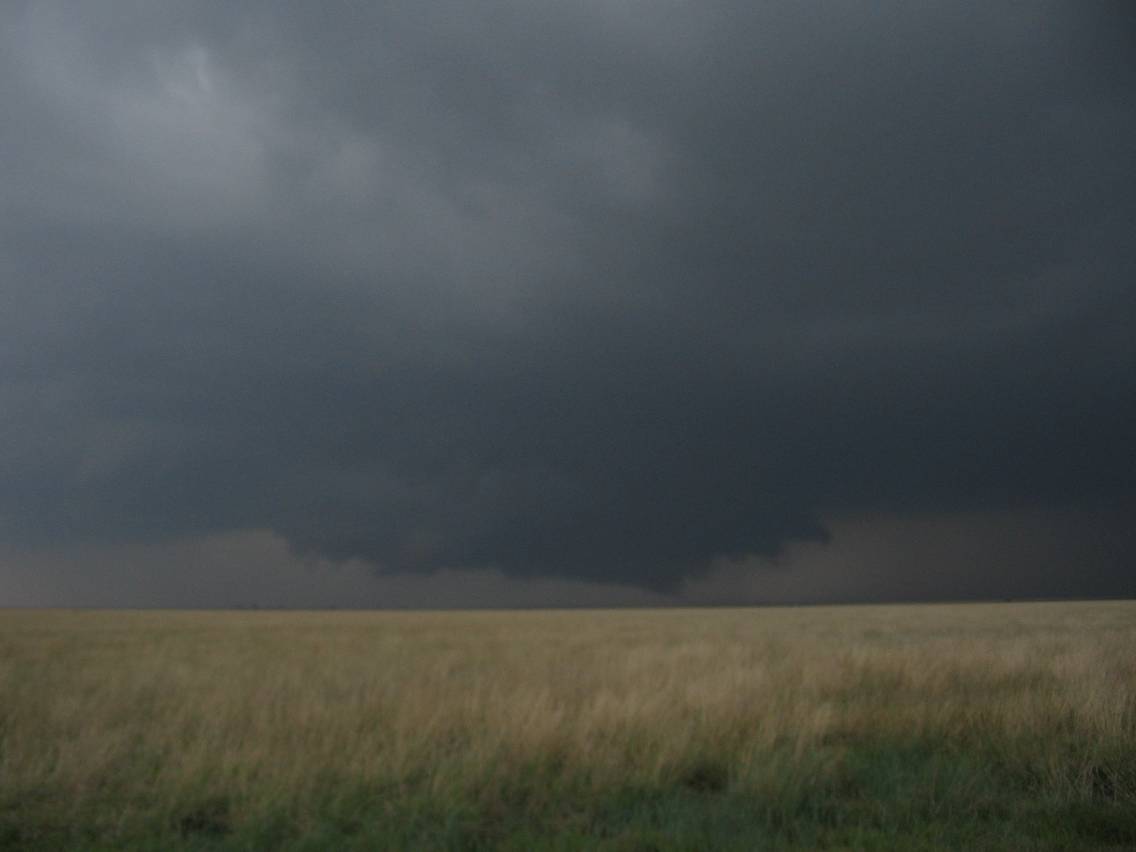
[986, 726]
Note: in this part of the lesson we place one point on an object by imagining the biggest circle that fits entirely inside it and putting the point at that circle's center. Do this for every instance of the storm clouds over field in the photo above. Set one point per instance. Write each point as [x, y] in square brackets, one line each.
[586, 301]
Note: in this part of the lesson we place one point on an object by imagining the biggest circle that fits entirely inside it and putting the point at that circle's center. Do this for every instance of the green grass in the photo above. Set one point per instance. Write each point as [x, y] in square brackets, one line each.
[972, 727]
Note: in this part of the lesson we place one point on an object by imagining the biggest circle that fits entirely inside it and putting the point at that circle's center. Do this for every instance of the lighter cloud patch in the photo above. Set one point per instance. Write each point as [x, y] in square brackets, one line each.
[176, 138]
[190, 127]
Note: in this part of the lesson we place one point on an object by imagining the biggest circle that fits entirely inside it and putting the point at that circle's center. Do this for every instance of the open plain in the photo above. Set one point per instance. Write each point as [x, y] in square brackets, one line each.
[981, 726]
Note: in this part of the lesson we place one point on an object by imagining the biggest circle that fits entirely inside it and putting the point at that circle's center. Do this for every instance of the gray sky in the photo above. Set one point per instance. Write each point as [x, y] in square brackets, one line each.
[578, 302]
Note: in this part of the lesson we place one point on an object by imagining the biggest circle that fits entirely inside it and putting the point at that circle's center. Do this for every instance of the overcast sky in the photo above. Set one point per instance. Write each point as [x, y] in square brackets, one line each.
[585, 302]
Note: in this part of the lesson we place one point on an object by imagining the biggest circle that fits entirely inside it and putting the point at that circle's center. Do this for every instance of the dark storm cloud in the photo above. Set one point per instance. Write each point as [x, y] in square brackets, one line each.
[598, 290]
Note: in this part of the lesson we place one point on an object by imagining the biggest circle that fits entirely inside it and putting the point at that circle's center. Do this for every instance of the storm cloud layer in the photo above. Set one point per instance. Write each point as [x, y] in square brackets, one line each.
[607, 291]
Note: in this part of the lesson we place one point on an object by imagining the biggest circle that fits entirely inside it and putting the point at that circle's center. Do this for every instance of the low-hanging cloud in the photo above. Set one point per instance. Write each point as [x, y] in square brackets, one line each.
[606, 291]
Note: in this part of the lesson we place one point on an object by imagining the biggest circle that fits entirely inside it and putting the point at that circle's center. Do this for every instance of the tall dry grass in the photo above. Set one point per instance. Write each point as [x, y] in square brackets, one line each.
[124, 722]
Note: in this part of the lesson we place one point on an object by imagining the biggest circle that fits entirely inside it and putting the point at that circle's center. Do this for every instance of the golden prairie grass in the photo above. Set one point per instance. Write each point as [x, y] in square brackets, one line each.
[118, 726]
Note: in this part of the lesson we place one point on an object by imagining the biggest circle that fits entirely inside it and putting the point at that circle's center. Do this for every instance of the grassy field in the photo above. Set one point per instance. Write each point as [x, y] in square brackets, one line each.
[971, 726]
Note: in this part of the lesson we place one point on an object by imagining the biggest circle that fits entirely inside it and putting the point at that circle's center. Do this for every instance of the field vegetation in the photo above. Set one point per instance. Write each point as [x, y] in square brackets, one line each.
[997, 726]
